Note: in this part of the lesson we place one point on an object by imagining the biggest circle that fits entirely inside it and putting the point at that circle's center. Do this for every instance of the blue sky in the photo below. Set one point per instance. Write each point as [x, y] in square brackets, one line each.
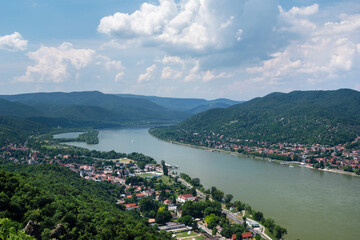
[237, 49]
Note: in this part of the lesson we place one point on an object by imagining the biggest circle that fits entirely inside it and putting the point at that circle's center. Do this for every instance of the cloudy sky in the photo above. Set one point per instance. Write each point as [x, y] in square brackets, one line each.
[237, 49]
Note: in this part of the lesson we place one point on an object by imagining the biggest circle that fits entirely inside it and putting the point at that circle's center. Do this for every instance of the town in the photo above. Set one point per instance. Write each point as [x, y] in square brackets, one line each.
[166, 200]
[342, 158]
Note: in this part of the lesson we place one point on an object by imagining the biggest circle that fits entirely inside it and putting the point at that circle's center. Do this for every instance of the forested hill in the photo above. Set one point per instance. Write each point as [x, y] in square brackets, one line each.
[189, 105]
[86, 109]
[15, 130]
[53, 195]
[324, 117]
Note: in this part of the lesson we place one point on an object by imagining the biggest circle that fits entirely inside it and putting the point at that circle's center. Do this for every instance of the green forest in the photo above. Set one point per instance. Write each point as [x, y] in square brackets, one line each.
[51, 195]
[310, 117]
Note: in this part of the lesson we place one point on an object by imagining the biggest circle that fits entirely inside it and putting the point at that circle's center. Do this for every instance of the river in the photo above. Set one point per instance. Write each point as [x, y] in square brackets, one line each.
[310, 204]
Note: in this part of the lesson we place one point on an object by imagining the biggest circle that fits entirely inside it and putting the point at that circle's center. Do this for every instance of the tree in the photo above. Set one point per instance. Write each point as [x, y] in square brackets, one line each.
[270, 224]
[214, 230]
[193, 192]
[194, 225]
[195, 182]
[9, 230]
[228, 198]
[148, 207]
[238, 236]
[279, 232]
[163, 215]
[258, 216]
[187, 220]
[211, 220]
[218, 195]
[165, 169]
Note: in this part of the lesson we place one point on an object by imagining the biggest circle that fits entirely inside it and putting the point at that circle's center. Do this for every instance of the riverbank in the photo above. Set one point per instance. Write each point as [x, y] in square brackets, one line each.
[256, 157]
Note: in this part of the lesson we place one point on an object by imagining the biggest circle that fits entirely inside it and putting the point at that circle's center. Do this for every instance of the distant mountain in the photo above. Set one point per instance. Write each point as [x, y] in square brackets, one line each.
[87, 108]
[190, 105]
[325, 117]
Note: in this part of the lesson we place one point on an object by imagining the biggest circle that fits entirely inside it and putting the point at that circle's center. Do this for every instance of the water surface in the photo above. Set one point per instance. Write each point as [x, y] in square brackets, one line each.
[310, 204]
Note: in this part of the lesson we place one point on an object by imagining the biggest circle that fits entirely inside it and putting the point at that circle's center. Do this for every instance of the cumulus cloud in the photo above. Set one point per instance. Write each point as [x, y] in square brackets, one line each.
[109, 63]
[13, 42]
[119, 76]
[193, 24]
[328, 50]
[61, 63]
[170, 73]
[54, 63]
[148, 75]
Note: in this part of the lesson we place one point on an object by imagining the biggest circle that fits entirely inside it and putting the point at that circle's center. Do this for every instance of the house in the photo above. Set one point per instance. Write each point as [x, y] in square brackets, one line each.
[131, 206]
[185, 197]
[246, 235]
[167, 202]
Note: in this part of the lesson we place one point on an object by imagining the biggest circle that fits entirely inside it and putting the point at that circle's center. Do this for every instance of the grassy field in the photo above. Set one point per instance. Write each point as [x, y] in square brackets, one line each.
[193, 235]
[144, 175]
[166, 180]
[123, 160]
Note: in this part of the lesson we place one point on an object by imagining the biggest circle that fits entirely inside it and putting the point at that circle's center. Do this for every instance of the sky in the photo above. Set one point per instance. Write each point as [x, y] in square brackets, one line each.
[237, 49]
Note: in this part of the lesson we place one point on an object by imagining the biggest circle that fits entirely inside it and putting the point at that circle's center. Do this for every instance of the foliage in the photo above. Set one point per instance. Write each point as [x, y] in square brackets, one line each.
[10, 230]
[50, 194]
[313, 117]
[90, 137]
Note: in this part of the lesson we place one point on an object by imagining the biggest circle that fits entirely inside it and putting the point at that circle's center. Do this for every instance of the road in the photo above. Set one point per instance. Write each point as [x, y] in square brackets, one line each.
[199, 194]
[228, 214]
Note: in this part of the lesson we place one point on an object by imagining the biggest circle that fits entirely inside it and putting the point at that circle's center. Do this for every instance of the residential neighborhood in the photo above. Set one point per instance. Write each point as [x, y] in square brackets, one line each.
[340, 157]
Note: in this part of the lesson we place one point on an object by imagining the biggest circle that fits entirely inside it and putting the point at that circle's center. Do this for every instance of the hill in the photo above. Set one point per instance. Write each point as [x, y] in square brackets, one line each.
[52, 195]
[309, 117]
[189, 105]
[17, 130]
[86, 109]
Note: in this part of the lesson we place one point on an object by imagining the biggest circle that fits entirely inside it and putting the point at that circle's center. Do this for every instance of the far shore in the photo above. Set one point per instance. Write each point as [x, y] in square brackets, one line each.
[258, 158]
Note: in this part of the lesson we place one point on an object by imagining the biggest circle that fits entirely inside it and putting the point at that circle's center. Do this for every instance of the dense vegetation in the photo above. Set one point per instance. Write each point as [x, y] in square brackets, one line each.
[310, 117]
[52, 195]
[16, 130]
[86, 109]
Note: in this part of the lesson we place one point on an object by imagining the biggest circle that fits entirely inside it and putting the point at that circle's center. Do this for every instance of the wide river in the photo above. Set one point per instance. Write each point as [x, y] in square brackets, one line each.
[310, 204]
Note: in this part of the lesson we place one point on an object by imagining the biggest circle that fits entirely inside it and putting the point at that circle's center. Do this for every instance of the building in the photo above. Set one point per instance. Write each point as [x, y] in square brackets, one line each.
[246, 235]
[185, 197]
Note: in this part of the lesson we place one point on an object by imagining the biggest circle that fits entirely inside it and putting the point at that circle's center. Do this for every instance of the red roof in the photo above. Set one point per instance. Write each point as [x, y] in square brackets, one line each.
[131, 205]
[246, 235]
[186, 196]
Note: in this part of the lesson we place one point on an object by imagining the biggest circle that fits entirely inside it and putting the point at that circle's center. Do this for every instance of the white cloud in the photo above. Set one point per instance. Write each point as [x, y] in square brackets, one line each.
[108, 63]
[304, 11]
[148, 75]
[327, 51]
[192, 24]
[295, 19]
[13, 42]
[54, 63]
[170, 73]
[150, 19]
[119, 76]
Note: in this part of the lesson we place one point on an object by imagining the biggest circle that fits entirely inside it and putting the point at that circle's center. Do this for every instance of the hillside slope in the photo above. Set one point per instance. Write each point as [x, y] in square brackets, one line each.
[52, 195]
[324, 117]
[190, 105]
[89, 108]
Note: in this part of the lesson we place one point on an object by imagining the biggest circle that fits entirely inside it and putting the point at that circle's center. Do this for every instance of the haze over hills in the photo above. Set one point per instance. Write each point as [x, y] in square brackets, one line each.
[325, 117]
[86, 108]
[190, 105]
[98, 109]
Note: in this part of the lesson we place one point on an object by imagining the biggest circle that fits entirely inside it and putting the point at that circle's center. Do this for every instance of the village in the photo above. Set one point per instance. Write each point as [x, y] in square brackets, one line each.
[338, 157]
[158, 194]
[171, 192]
